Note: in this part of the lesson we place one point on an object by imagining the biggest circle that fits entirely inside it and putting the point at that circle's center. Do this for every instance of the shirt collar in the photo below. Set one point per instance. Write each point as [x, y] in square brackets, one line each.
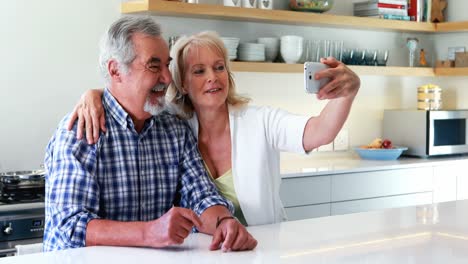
[120, 115]
[115, 109]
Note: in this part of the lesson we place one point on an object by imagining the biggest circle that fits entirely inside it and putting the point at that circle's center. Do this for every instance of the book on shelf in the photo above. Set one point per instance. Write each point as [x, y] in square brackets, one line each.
[396, 2]
[420, 10]
[392, 17]
[395, 17]
[427, 10]
[381, 7]
[381, 11]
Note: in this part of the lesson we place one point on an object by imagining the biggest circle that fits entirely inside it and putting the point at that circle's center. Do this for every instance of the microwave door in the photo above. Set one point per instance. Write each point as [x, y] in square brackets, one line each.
[447, 132]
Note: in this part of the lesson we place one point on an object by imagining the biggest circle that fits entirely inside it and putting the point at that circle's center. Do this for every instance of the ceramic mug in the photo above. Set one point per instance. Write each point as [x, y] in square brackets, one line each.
[232, 3]
[249, 3]
[265, 4]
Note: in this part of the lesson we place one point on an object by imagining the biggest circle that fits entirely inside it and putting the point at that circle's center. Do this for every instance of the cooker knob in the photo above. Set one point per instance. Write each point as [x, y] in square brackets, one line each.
[8, 230]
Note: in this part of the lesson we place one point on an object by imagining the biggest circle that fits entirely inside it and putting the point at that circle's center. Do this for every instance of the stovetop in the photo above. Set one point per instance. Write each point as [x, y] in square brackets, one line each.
[22, 208]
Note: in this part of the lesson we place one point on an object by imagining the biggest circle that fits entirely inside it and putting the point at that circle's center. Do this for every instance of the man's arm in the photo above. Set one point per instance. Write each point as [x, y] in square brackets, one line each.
[170, 229]
[72, 194]
[72, 204]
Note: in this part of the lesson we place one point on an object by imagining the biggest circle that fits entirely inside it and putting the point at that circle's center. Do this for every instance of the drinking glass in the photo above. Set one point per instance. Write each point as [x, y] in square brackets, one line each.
[412, 45]
[314, 50]
[336, 49]
[324, 49]
[370, 57]
[359, 56]
[382, 57]
[347, 56]
[306, 52]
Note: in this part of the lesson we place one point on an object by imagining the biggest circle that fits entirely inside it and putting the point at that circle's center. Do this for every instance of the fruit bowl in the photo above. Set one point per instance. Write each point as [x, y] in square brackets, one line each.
[318, 6]
[380, 153]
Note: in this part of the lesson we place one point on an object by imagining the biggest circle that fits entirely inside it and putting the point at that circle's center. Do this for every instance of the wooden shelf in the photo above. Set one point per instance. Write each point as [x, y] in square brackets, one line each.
[240, 66]
[175, 8]
[180, 9]
[452, 26]
[451, 71]
[393, 71]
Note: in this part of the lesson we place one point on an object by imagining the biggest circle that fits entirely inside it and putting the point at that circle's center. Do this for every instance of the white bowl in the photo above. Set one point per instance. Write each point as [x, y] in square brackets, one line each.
[291, 39]
[271, 47]
[291, 48]
[291, 55]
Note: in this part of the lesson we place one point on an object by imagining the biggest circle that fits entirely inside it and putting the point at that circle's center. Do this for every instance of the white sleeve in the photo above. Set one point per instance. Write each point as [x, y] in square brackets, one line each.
[284, 130]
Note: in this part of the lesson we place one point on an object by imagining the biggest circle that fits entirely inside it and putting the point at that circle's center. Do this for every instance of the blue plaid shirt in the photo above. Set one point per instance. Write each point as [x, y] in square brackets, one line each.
[125, 176]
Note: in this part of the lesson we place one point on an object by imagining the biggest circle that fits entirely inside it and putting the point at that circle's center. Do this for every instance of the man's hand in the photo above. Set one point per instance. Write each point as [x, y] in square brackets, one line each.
[233, 236]
[171, 228]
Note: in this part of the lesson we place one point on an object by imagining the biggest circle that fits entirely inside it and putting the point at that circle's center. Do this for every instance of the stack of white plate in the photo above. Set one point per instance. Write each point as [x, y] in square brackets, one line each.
[231, 46]
[251, 52]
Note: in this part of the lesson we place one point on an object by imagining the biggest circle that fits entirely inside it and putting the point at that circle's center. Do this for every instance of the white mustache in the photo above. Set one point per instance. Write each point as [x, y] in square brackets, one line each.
[159, 87]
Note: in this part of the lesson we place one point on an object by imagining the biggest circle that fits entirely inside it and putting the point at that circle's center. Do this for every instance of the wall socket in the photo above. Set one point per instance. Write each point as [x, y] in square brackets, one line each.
[341, 142]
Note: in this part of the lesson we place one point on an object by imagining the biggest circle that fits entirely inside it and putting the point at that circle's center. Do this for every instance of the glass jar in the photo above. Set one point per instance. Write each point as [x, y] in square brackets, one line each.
[429, 97]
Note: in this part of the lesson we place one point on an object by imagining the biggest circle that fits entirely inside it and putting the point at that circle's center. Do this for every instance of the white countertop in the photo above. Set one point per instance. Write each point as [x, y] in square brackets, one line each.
[315, 164]
[423, 234]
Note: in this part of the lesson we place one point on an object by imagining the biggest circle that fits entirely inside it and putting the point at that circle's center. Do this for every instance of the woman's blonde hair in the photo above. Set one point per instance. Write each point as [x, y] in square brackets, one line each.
[179, 52]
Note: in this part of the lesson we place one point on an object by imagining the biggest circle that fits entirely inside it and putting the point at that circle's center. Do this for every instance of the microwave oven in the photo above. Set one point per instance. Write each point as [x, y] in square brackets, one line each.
[427, 133]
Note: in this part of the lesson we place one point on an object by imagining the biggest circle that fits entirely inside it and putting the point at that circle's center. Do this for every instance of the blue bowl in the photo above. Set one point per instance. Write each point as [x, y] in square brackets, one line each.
[380, 154]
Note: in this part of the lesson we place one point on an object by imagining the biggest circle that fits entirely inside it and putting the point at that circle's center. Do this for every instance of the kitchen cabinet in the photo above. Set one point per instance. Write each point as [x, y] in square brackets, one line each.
[305, 191]
[180, 9]
[445, 183]
[363, 185]
[452, 182]
[462, 182]
[380, 203]
[317, 196]
[306, 197]
[309, 211]
[462, 186]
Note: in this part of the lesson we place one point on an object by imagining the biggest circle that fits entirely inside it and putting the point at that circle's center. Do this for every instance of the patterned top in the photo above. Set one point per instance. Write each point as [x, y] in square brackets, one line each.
[125, 176]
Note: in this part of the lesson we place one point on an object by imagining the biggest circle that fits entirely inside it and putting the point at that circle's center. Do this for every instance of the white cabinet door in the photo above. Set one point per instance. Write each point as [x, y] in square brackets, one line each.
[462, 185]
[445, 183]
[354, 186]
[310, 211]
[462, 180]
[305, 190]
[365, 205]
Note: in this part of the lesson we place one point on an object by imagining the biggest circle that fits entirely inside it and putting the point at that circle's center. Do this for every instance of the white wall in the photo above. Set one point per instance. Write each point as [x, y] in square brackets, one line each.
[49, 57]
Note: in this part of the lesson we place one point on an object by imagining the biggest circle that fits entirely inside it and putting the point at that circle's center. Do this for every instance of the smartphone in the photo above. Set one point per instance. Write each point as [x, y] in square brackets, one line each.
[312, 85]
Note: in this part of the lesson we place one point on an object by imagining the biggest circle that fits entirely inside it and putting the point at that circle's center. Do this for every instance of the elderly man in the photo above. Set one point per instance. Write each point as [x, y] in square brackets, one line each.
[122, 190]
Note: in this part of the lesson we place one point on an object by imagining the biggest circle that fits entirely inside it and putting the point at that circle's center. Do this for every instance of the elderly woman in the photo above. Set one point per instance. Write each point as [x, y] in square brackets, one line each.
[240, 144]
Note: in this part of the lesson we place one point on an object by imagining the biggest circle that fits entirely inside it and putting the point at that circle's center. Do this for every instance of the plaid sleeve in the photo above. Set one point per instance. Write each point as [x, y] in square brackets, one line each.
[197, 191]
[72, 198]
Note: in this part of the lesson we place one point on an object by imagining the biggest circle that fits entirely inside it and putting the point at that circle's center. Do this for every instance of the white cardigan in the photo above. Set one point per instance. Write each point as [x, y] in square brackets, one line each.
[258, 134]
